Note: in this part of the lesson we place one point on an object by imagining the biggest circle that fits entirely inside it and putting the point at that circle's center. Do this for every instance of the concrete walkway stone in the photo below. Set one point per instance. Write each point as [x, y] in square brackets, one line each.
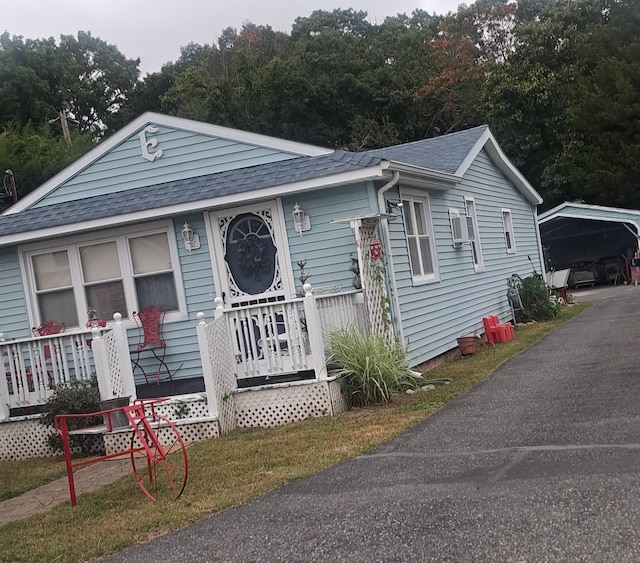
[46, 497]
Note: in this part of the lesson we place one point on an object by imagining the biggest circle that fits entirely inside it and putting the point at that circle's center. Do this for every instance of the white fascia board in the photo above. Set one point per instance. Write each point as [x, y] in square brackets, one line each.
[293, 147]
[299, 149]
[489, 143]
[231, 200]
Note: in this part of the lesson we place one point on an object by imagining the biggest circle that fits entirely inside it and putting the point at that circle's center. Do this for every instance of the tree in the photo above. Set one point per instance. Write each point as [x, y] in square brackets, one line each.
[99, 78]
[85, 77]
[599, 160]
[564, 103]
[35, 154]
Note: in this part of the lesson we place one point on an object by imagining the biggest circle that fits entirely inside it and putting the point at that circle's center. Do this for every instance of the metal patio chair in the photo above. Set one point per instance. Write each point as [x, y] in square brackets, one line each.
[150, 321]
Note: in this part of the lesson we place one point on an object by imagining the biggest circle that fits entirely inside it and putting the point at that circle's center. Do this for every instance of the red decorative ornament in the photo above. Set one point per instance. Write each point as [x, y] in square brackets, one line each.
[375, 249]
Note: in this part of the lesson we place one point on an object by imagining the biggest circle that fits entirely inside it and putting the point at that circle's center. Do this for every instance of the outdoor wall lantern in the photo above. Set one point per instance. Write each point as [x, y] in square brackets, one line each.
[391, 205]
[301, 222]
[191, 239]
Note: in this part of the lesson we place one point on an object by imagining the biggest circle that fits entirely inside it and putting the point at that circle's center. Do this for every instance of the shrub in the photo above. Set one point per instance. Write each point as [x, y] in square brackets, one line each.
[78, 397]
[371, 369]
[537, 304]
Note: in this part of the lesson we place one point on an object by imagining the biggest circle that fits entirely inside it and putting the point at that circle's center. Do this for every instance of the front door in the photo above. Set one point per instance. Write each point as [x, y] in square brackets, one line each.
[251, 255]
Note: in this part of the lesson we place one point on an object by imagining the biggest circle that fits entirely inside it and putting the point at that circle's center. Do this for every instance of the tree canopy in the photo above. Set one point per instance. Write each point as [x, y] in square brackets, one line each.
[557, 81]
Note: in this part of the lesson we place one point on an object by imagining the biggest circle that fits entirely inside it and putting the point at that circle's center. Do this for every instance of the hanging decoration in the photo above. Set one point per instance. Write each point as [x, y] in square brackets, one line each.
[375, 249]
[253, 259]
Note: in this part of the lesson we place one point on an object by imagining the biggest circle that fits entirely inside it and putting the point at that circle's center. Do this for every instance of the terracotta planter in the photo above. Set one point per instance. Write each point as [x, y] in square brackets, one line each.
[467, 345]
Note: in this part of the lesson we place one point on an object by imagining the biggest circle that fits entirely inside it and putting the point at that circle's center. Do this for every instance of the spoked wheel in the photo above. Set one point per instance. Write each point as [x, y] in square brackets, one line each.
[159, 459]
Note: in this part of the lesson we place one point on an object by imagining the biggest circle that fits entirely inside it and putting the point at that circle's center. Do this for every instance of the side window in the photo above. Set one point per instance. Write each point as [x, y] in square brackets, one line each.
[420, 239]
[509, 235]
[474, 236]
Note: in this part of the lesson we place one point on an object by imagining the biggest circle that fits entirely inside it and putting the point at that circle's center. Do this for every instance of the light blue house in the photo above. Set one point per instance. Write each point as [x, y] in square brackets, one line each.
[417, 240]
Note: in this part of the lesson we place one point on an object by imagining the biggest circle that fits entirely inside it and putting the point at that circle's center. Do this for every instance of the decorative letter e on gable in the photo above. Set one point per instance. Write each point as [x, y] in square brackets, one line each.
[150, 143]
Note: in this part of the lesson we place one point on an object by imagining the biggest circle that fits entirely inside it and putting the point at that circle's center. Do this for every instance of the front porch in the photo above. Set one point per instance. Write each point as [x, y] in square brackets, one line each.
[262, 365]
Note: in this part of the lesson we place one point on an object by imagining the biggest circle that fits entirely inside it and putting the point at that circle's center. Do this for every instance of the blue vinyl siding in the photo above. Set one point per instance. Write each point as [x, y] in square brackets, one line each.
[183, 355]
[15, 321]
[435, 314]
[326, 247]
[185, 155]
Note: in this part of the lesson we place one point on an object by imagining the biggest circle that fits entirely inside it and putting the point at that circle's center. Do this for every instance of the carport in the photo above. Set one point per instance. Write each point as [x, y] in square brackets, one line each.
[596, 243]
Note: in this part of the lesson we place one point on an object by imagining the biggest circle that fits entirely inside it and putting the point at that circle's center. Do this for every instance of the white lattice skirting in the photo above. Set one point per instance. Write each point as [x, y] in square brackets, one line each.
[275, 405]
[191, 430]
[24, 437]
[268, 406]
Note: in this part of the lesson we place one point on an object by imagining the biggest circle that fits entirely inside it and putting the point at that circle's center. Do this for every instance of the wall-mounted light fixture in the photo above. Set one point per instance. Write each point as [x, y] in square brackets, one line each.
[391, 205]
[301, 222]
[191, 240]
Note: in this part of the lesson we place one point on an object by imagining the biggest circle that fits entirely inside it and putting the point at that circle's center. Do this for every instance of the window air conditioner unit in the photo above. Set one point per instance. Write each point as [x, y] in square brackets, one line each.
[459, 230]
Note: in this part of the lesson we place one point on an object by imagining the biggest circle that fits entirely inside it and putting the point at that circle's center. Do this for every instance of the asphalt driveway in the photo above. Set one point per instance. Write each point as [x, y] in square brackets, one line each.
[540, 462]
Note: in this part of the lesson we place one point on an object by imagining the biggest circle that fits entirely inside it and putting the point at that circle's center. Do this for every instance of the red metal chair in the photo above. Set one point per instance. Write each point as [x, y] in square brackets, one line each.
[150, 339]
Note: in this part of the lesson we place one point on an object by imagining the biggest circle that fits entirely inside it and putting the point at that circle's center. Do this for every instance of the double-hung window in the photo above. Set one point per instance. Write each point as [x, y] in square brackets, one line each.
[509, 235]
[474, 236]
[419, 233]
[121, 274]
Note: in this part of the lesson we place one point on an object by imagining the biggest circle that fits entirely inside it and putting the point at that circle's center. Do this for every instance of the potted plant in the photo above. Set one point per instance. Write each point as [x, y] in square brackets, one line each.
[467, 343]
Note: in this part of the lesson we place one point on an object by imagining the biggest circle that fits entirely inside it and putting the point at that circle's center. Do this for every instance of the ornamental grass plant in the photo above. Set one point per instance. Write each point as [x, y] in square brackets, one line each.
[371, 368]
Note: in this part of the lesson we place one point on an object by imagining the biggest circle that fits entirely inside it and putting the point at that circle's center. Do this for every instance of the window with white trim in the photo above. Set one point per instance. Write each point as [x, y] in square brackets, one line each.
[509, 235]
[419, 232]
[116, 274]
[474, 235]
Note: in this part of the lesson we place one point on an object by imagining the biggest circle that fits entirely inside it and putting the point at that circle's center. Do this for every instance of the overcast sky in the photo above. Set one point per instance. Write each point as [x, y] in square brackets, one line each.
[154, 30]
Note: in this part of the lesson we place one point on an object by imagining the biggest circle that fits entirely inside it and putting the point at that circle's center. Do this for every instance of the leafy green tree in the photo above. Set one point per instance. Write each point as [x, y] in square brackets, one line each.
[84, 77]
[564, 104]
[99, 79]
[599, 159]
[35, 154]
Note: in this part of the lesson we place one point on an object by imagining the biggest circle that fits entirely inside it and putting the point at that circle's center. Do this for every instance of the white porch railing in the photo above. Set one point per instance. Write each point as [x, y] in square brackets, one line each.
[31, 368]
[282, 337]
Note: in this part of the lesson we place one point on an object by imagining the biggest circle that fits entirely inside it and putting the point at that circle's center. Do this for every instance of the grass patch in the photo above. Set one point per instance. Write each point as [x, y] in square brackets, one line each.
[234, 469]
[17, 477]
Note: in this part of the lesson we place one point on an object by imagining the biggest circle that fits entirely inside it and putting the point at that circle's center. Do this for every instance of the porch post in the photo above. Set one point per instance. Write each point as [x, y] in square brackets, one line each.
[4, 388]
[206, 361]
[124, 357]
[314, 330]
[103, 375]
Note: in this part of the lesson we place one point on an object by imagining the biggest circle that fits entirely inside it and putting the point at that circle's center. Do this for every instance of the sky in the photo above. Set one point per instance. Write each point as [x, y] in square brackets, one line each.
[154, 30]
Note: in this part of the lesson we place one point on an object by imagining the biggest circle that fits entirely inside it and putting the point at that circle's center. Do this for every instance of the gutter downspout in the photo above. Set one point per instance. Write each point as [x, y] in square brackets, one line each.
[395, 305]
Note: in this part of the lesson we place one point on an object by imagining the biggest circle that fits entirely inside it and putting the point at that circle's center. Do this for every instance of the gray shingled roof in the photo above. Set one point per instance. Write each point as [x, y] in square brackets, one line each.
[185, 191]
[444, 154]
